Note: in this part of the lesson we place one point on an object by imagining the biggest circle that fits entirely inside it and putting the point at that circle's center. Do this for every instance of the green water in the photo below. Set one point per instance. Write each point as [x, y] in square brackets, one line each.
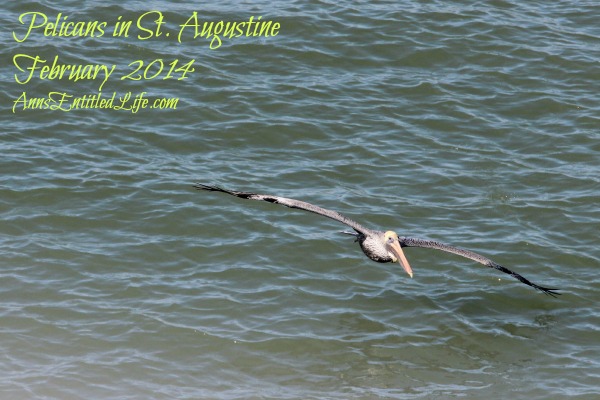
[473, 124]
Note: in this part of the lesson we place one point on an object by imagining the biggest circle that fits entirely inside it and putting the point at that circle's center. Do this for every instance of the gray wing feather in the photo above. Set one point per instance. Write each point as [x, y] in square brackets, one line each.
[291, 203]
[431, 244]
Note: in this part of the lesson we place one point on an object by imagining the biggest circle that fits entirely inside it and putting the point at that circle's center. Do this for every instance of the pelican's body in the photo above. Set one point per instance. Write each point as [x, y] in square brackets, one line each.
[378, 245]
[382, 247]
[373, 246]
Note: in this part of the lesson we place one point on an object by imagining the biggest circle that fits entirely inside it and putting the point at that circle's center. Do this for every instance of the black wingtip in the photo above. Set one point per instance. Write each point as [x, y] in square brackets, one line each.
[201, 186]
[553, 292]
[548, 291]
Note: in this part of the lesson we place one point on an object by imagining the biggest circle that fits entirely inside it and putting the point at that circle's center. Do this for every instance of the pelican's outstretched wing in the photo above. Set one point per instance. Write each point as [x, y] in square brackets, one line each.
[430, 244]
[289, 203]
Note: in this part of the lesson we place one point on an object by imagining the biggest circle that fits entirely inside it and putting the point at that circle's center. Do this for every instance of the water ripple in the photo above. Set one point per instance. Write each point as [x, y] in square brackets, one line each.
[473, 124]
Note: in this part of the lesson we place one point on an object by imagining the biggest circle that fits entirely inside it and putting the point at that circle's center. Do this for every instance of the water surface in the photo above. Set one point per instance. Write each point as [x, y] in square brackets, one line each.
[473, 124]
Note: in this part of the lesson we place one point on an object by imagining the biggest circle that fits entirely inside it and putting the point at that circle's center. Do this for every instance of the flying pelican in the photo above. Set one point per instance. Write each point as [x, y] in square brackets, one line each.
[378, 245]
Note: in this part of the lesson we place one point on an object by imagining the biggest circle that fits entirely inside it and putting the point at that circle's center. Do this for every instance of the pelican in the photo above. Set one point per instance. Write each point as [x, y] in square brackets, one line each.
[379, 246]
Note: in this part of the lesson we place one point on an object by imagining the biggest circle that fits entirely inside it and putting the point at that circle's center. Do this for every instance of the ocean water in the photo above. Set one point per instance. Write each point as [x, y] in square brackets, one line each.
[475, 124]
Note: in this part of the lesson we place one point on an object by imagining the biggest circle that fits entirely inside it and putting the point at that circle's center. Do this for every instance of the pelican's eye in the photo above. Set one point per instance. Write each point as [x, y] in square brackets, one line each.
[390, 239]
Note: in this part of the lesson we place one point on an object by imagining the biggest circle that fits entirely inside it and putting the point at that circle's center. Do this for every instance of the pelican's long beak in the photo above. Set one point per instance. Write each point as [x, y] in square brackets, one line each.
[399, 253]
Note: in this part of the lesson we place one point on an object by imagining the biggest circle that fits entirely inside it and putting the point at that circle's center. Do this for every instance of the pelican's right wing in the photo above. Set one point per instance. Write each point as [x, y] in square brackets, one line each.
[291, 203]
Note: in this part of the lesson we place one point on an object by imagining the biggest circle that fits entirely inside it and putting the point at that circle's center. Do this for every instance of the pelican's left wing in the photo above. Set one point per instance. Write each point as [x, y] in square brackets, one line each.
[431, 244]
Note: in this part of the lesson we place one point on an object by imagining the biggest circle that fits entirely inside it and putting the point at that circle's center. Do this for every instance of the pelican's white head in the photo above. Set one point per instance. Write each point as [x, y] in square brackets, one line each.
[392, 245]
